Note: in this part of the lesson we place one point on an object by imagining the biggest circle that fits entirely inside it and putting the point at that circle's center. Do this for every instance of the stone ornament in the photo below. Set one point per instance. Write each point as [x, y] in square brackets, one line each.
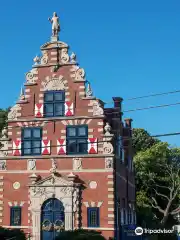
[64, 55]
[97, 109]
[54, 167]
[36, 60]
[4, 133]
[13, 114]
[93, 185]
[73, 58]
[44, 59]
[16, 185]
[107, 129]
[53, 84]
[79, 74]
[107, 145]
[108, 148]
[22, 95]
[30, 76]
[2, 164]
[89, 91]
[31, 164]
[77, 163]
[108, 163]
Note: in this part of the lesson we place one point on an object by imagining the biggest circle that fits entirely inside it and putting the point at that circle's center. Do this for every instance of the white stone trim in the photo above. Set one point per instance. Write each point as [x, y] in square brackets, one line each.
[111, 222]
[99, 204]
[59, 171]
[16, 227]
[56, 187]
[86, 204]
[99, 228]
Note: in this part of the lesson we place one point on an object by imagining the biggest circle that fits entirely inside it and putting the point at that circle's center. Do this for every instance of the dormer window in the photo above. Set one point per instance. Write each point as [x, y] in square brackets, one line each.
[54, 103]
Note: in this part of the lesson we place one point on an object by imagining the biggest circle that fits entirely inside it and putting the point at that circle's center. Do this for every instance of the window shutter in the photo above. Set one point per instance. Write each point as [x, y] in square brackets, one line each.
[61, 146]
[69, 109]
[46, 147]
[92, 145]
[38, 110]
[17, 147]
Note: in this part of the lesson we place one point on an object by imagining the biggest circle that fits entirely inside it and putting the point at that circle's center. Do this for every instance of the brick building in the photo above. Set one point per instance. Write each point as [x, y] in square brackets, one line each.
[66, 161]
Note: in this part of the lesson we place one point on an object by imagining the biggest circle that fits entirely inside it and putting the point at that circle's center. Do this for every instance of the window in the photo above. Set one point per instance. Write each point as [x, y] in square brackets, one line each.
[54, 103]
[77, 137]
[93, 217]
[15, 216]
[120, 148]
[31, 141]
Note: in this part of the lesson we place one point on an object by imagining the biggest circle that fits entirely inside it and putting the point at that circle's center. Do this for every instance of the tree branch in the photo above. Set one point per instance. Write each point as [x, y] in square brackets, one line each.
[156, 205]
[161, 195]
[175, 211]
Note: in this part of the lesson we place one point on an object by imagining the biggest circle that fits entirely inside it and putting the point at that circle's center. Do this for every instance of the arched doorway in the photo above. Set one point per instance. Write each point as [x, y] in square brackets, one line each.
[52, 219]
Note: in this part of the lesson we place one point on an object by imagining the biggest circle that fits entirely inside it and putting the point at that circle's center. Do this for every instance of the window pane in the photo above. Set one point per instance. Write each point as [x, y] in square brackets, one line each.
[59, 96]
[48, 97]
[27, 133]
[93, 218]
[48, 108]
[27, 147]
[36, 147]
[72, 148]
[82, 131]
[59, 109]
[82, 146]
[71, 132]
[36, 132]
[17, 217]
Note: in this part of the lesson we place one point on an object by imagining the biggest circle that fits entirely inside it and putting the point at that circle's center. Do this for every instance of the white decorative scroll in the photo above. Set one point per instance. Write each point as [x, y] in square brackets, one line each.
[13, 114]
[53, 83]
[2, 164]
[30, 76]
[31, 164]
[108, 162]
[97, 109]
[77, 163]
[64, 55]
[44, 59]
[79, 74]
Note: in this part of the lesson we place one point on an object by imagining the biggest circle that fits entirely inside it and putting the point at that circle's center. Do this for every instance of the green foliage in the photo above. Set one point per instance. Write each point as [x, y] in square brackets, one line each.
[3, 118]
[141, 140]
[14, 234]
[80, 235]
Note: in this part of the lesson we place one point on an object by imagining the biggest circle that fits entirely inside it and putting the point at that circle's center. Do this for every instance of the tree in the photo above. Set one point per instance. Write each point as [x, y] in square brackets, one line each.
[80, 235]
[141, 140]
[3, 118]
[158, 181]
[13, 234]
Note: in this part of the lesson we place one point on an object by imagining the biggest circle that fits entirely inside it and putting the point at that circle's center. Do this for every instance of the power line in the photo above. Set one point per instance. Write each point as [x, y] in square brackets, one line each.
[153, 95]
[147, 96]
[152, 107]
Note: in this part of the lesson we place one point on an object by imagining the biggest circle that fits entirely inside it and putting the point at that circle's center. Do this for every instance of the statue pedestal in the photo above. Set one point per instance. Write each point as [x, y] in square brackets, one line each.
[54, 38]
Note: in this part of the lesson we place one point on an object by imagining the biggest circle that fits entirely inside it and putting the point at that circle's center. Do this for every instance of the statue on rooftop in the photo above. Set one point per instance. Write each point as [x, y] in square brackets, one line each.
[55, 24]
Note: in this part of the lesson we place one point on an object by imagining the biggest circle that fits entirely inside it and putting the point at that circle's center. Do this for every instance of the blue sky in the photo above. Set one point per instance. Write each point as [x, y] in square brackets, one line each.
[127, 48]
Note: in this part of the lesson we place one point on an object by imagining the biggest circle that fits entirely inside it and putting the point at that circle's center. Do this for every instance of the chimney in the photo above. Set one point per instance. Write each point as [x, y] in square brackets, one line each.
[128, 122]
[117, 102]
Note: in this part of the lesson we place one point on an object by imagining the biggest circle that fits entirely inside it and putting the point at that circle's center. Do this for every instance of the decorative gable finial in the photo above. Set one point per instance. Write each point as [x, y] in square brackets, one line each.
[22, 96]
[55, 27]
[89, 91]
